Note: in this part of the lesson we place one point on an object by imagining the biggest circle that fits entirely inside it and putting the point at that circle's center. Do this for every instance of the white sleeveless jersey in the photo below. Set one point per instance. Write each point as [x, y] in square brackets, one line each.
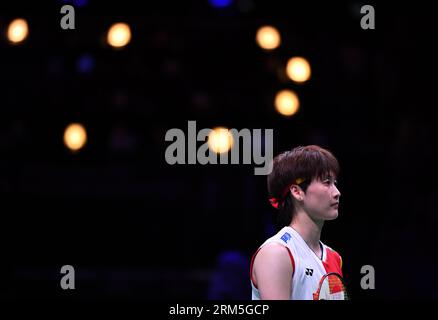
[308, 267]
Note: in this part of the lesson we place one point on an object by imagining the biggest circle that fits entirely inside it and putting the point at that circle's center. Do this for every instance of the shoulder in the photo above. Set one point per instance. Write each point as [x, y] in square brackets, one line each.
[332, 251]
[274, 255]
[273, 270]
[274, 250]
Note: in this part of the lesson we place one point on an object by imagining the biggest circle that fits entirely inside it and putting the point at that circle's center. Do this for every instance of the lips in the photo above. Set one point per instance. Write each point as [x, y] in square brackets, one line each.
[336, 204]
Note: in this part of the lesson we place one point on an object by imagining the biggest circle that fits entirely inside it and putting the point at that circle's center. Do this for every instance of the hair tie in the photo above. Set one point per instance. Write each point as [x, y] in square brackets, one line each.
[275, 202]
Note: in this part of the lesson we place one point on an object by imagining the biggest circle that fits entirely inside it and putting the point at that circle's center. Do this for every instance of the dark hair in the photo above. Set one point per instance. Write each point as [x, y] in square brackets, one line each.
[299, 166]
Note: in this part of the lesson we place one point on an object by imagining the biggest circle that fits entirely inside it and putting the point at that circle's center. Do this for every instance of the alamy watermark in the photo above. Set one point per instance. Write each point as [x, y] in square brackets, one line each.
[68, 20]
[368, 21]
[257, 148]
[67, 281]
[368, 281]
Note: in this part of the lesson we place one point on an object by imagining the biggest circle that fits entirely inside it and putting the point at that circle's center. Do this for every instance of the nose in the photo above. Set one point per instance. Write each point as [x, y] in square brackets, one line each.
[337, 193]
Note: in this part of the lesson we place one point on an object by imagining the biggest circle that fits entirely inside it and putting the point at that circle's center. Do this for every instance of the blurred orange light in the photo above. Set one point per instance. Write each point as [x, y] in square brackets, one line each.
[220, 140]
[298, 69]
[18, 31]
[287, 103]
[119, 35]
[268, 38]
[75, 136]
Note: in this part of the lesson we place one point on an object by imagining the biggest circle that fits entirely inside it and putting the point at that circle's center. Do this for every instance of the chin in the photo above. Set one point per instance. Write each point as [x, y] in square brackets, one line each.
[332, 215]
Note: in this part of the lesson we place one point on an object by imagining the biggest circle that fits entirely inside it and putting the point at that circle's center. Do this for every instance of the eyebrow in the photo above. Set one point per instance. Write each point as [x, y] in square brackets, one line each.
[329, 177]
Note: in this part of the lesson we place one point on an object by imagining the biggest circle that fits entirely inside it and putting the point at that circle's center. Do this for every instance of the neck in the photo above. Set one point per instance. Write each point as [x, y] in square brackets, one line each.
[309, 229]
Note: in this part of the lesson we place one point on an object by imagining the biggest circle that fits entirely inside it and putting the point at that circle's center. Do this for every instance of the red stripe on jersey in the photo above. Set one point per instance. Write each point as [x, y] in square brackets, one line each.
[332, 262]
[292, 261]
[251, 265]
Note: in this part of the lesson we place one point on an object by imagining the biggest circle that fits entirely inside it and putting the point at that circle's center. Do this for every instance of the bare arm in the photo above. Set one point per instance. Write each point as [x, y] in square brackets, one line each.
[273, 272]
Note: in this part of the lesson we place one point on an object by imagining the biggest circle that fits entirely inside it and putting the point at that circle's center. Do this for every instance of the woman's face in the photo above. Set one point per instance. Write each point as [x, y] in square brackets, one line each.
[321, 199]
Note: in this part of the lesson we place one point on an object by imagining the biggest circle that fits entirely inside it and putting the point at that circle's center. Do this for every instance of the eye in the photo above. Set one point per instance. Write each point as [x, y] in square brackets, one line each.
[329, 181]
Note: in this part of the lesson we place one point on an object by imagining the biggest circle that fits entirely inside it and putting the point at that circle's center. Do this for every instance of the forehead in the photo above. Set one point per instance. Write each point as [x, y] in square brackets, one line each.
[325, 175]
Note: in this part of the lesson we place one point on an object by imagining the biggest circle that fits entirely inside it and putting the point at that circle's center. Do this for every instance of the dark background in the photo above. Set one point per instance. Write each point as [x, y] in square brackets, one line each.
[135, 227]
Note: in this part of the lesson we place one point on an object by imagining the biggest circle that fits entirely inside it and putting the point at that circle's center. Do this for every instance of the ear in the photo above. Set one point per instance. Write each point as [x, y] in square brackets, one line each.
[297, 192]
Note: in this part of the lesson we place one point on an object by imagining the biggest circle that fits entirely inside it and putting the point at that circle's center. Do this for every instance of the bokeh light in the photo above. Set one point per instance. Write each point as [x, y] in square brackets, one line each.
[75, 136]
[298, 69]
[220, 140]
[18, 31]
[287, 103]
[119, 35]
[268, 38]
